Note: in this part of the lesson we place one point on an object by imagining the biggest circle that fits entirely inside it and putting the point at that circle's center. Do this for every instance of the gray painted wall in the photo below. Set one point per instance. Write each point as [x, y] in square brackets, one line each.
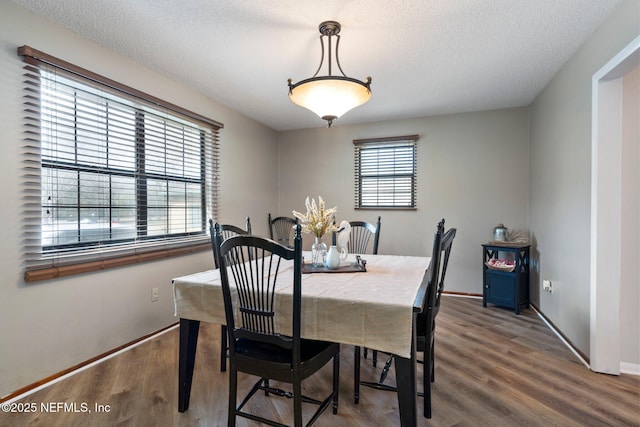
[473, 171]
[50, 326]
[560, 181]
[527, 168]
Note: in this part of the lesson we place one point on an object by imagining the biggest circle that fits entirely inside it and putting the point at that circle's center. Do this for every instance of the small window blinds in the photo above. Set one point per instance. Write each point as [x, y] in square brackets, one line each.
[386, 172]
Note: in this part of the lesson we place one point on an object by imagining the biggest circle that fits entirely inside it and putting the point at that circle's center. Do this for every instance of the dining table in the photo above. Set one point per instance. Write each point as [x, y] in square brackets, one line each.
[373, 307]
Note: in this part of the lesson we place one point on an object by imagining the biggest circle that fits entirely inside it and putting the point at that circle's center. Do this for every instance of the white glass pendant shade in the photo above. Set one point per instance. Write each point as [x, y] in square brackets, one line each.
[330, 97]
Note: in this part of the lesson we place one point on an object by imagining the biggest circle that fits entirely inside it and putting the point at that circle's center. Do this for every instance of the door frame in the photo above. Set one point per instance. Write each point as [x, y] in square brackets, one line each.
[606, 209]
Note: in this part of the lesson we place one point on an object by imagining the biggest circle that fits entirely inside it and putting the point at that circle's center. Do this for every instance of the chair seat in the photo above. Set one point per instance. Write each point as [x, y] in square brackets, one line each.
[273, 353]
[312, 354]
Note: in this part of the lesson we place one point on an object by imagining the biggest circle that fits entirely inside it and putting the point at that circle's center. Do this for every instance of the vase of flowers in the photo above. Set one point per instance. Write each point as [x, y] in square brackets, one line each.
[318, 220]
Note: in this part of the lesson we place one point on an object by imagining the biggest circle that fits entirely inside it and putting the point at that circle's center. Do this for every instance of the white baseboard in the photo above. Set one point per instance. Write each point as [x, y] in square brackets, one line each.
[559, 335]
[630, 368]
[87, 366]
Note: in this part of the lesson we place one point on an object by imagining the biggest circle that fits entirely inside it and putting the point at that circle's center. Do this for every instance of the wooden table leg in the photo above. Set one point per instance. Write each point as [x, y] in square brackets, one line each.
[407, 387]
[186, 360]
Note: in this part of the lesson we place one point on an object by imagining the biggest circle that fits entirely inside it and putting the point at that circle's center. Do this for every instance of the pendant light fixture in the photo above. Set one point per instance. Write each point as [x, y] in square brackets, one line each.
[330, 96]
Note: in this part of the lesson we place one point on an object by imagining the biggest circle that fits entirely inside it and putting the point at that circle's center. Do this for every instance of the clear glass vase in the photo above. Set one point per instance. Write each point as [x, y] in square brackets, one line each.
[318, 253]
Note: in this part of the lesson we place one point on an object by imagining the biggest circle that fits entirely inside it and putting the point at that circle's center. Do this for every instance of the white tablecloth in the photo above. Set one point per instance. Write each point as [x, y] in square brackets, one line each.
[372, 309]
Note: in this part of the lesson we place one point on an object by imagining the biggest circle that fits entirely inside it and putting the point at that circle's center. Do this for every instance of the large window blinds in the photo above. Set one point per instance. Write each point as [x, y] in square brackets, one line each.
[386, 172]
[114, 172]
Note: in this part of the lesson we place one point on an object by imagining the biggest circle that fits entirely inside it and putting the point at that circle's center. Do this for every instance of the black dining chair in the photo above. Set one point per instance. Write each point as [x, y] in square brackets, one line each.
[426, 320]
[281, 229]
[361, 234]
[227, 230]
[251, 268]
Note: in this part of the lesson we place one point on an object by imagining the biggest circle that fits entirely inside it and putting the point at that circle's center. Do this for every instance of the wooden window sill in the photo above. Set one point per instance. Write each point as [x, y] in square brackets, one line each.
[92, 266]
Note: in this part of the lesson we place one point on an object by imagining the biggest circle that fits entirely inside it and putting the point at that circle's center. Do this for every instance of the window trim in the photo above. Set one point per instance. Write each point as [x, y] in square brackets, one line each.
[33, 57]
[358, 144]
[38, 268]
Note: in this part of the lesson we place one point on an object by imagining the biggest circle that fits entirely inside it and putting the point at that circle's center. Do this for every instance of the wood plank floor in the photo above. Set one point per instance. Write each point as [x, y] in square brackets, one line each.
[493, 368]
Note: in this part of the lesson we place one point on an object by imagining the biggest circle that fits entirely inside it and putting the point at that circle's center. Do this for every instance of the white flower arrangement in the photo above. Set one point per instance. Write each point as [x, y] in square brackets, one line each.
[318, 219]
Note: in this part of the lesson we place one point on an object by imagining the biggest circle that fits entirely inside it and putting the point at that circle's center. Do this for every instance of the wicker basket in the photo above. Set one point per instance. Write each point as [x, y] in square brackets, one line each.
[501, 265]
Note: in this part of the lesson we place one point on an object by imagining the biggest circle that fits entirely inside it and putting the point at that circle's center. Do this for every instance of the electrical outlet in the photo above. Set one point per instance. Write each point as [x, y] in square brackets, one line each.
[154, 294]
[547, 286]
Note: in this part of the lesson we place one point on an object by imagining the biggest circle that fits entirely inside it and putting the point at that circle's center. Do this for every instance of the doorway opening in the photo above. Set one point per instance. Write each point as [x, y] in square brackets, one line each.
[609, 217]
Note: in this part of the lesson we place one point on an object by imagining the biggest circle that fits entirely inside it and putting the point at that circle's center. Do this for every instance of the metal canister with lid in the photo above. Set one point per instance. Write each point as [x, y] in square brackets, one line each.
[500, 233]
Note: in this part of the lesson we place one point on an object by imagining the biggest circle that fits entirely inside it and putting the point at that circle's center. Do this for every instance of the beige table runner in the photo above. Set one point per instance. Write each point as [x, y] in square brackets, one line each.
[372, 309]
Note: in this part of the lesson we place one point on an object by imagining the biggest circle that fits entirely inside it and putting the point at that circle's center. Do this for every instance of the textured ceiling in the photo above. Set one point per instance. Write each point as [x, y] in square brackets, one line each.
[426, 57]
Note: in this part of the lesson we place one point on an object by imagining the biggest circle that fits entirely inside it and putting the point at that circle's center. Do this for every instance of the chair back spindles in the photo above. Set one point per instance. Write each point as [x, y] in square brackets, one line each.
[254, 270]
[281, 229]
[256, 301]
[361, 234]
[224, 231]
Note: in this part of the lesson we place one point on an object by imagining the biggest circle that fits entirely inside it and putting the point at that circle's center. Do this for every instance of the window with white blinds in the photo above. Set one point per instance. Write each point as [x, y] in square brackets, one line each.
[386, 172]
[113, 172]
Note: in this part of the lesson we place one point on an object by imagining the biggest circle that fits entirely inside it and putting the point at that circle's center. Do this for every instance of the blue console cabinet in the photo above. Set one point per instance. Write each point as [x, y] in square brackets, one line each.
[503, 288]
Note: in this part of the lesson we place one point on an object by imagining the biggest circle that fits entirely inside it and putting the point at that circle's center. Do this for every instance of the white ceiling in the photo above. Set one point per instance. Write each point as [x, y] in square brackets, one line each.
[426, 57]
